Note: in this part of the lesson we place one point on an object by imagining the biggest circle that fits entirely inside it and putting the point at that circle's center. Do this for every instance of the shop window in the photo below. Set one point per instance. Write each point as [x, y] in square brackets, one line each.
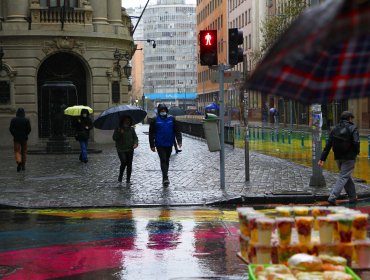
[4, 93]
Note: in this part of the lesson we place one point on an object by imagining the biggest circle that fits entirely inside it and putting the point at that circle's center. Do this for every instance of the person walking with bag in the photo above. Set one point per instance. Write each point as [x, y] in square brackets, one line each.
[162, 133]
[83, 125]
[126, 141]
[20, 128]
[345, 141]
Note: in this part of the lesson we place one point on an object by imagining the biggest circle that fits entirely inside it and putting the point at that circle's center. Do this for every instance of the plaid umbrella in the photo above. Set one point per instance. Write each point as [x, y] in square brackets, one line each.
[323, 56]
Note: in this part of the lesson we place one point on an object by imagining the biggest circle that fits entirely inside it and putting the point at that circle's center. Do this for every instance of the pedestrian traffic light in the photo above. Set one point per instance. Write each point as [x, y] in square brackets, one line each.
[235, 39]
[208, 47]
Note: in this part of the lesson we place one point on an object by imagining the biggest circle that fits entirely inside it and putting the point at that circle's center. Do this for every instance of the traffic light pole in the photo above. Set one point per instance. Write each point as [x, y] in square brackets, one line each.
[221, 70]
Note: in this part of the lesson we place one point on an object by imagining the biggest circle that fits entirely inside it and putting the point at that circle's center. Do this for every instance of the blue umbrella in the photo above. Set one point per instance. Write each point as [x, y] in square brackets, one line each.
[110, 118]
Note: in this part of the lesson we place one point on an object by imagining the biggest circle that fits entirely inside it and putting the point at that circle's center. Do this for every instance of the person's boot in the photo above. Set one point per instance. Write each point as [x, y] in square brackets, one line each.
[80, 158]
[166, 182]
[19, 167]
[120, 175]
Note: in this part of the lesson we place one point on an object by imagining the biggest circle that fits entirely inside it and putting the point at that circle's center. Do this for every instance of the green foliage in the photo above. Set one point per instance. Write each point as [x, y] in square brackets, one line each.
[276, 24]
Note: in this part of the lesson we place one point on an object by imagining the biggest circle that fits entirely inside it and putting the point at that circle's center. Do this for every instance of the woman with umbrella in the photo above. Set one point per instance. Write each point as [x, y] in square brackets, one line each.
[126, 141]
[83, 125]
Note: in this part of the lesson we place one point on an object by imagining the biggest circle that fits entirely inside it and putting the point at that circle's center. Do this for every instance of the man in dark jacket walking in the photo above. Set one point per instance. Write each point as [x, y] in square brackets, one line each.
[162, 133]
[20, 128]
[83, 125]
[345, 141]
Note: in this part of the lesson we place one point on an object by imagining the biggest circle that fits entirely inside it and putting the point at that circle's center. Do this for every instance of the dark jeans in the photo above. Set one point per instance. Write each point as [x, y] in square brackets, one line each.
[164, 154]
[126, 159]
[83, 146]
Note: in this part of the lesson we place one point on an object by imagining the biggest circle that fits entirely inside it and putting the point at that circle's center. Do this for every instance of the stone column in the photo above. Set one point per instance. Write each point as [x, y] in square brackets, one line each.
[1, 11]
[17, 10]
[100, 11]
[114, 12]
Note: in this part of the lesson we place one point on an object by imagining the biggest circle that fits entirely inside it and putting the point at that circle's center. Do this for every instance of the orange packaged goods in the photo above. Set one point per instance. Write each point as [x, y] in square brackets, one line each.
[304, 229]
[330, 249]
[244, 245]
[285, 252]
[283, 211]
[264, 230]
[345, 228]
[359, 226]
[346, 251]
[326, 229]
[263, 254]
[362, 252]
[301, 210]
[243, 221]
[252, 225]
[318, 211]
[284, 227]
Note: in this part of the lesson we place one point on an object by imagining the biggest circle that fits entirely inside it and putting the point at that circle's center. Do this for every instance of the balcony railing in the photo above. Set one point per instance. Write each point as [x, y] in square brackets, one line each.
[51, 15]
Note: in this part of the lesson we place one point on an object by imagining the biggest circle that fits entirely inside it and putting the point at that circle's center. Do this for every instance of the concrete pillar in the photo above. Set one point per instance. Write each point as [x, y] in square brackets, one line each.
[1, 11]
[17, 10]
[100, 11]
[114, 12]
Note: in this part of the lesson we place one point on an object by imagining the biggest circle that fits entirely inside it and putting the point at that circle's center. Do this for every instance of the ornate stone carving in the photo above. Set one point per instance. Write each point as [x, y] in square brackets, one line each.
[63, 44]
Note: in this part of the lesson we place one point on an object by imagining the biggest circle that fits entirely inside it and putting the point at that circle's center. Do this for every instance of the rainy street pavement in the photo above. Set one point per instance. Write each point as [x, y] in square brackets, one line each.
[52, 181]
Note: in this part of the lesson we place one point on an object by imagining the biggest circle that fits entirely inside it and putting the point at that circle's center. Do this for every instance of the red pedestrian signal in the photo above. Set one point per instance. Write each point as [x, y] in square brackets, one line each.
[208, 47]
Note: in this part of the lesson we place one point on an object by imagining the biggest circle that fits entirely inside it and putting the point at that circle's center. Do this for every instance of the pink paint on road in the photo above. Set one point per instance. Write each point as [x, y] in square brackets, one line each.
[65, 260]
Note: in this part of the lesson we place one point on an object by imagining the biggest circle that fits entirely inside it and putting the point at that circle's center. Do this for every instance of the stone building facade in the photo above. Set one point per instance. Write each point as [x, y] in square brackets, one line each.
[58, 54]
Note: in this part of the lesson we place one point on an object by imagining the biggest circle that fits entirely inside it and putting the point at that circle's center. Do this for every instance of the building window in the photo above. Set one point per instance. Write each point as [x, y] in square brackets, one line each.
[4, 93]
[116, 92]
[249, 41]
[249, 15]
[59, 3]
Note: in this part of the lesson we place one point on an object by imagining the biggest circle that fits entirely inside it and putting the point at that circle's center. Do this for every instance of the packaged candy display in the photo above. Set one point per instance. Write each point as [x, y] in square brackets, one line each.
[274, 237]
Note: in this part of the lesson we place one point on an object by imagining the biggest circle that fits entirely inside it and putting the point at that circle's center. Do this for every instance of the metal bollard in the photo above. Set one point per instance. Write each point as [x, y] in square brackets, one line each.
[258, 133]
[277, 136]
[302, 140]
[289, 137]
[283, 136]
[272, 135]
[368, 141]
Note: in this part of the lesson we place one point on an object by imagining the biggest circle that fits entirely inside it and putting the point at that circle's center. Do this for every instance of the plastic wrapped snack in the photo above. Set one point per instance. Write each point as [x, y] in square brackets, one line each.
[283, 211]
[244, 245]
[345, 228]
[284, 227]
[252, 225]
[359, 226]
[243, 221]
[264, 230]
[301, 210]
[346, 250]
[305, 262]
[263, 254]
[326, 229]
[285, 252]
[362, 250]
[318, 211]
[304, 229]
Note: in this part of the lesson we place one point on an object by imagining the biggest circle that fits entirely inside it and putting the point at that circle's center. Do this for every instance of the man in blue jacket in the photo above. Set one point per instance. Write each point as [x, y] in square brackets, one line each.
[162, 132]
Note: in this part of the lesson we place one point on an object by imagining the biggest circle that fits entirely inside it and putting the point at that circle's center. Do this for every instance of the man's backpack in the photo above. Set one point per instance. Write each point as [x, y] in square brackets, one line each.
[342, 138]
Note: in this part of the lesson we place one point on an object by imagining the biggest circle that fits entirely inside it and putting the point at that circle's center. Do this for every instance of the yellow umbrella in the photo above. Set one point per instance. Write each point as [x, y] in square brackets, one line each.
[76, 110]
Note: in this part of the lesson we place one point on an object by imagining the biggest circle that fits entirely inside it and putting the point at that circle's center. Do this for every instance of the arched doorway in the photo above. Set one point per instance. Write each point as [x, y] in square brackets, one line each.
[61, 82]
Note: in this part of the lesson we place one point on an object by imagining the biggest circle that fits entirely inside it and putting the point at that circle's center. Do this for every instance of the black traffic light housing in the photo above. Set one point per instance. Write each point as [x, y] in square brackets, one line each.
[235, 39]
[208, 47]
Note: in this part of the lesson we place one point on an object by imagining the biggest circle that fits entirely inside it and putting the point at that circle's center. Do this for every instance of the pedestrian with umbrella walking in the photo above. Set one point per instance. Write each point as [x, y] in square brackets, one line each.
[162, 133]
[126, 141]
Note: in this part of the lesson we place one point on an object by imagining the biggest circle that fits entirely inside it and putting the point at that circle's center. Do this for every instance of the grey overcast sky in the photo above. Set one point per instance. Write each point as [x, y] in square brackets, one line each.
[138, 3]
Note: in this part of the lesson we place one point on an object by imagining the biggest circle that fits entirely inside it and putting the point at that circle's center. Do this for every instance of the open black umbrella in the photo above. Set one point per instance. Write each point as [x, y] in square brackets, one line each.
[111, 117]
[176, 111]
[323, 56]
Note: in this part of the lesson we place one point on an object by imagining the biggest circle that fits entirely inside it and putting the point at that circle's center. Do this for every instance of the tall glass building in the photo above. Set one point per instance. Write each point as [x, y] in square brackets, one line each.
[170, 68]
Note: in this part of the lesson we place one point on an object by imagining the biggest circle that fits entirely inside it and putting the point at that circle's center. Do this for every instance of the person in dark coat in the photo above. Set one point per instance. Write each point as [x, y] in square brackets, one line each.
[345, 141]
[83, 125]
[126, 141]
[20, 128]
[162, 133]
